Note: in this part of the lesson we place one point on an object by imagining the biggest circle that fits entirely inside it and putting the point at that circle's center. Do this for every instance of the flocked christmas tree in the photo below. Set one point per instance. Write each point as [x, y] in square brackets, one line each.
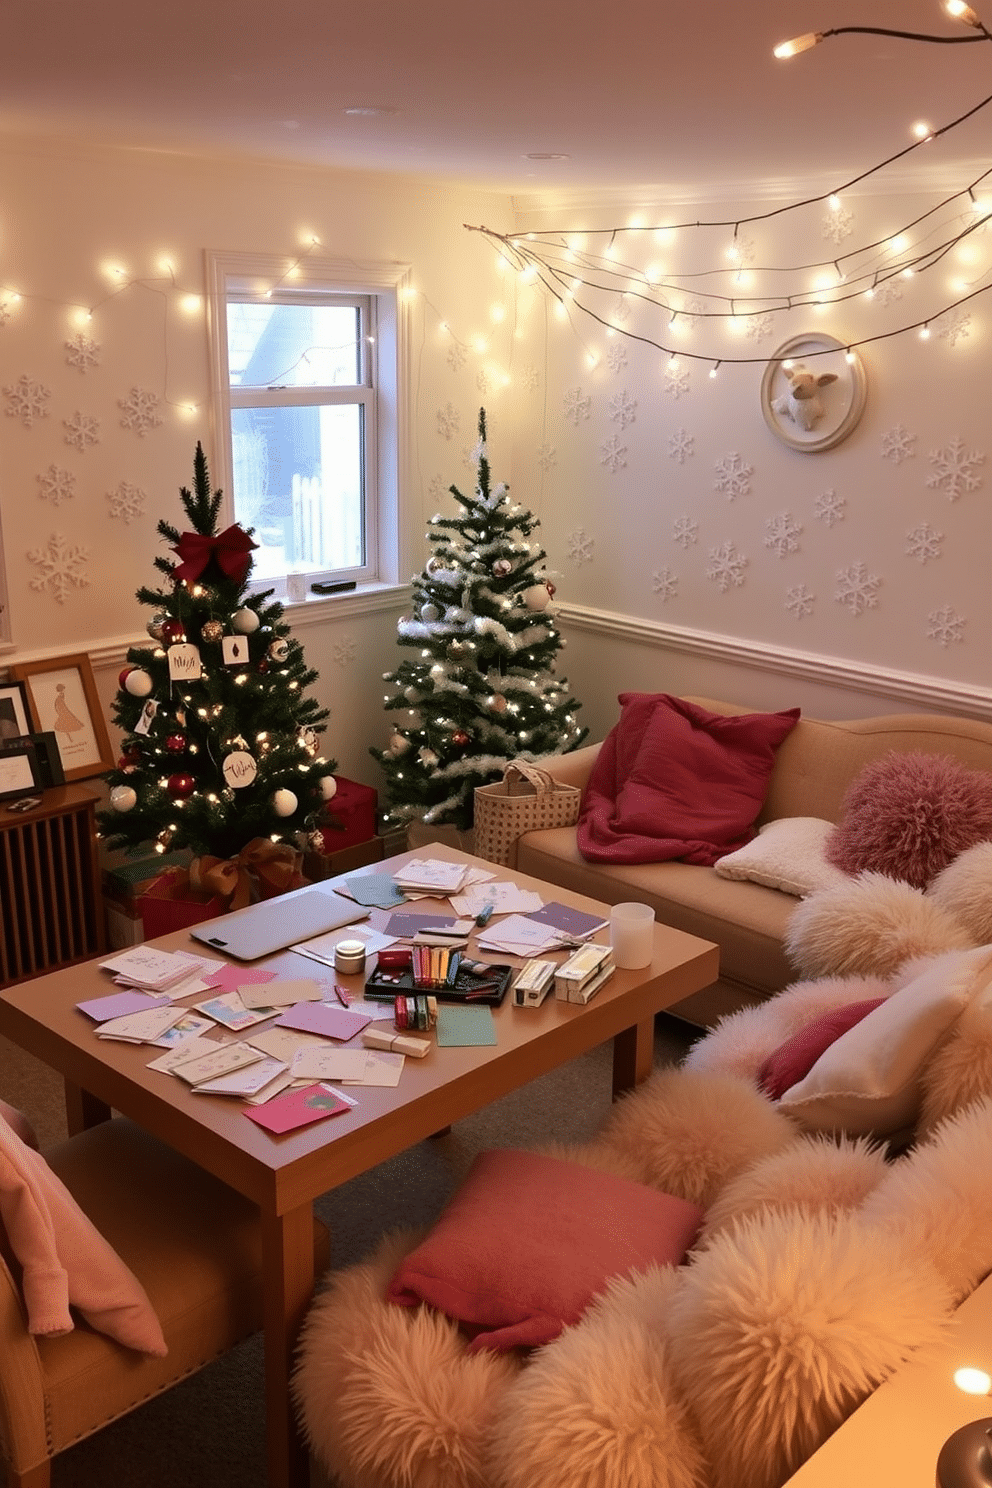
[221, 742]
[481, 689]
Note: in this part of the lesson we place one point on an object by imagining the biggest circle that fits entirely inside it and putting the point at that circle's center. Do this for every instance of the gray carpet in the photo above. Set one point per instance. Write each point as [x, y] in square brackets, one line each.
[209, 1431]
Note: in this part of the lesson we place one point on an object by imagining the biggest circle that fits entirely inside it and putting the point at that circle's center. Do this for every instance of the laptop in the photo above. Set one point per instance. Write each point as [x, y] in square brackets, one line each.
[261, 929]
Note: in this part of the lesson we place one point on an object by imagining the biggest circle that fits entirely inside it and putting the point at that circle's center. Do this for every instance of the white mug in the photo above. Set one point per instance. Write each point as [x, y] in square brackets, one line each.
[632, 935]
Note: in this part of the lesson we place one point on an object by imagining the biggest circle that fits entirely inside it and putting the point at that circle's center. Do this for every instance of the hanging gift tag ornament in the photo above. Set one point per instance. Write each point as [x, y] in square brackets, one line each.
[147, 718]
[239, 769]
[284, 802]
[123, 798]
[235, 650]
[245, 621]
[184, 662]
[138, 682]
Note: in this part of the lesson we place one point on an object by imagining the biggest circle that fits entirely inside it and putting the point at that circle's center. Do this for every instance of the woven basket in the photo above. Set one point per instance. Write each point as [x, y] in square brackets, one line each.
[527, 799]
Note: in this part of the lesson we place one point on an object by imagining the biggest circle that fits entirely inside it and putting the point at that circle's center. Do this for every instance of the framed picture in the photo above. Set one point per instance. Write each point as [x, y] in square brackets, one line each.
[18, 772]
[13, 710]
[813, 392]
[48, 761]
[62, 699]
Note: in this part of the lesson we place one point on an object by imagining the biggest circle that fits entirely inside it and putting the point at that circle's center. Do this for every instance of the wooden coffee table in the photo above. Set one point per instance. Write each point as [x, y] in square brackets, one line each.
[283, 1175]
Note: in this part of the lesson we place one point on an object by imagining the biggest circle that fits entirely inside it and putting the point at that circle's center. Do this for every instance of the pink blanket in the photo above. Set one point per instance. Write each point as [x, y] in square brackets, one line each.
[673, 780]
[64, 1258]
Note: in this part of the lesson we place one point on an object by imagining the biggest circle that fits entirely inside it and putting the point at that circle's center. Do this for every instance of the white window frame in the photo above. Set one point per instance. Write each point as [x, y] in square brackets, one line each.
[385, 362]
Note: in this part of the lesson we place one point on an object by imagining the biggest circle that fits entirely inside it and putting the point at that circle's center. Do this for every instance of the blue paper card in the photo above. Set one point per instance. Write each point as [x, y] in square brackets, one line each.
[459, 1026]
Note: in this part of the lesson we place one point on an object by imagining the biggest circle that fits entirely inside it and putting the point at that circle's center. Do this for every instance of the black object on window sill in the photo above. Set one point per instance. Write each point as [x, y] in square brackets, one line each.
[334, 588]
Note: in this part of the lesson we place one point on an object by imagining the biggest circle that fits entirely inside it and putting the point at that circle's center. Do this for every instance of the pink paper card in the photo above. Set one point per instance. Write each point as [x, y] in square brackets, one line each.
[118, 1005]
[320, 1017]
[297, 1108]
[229, 978]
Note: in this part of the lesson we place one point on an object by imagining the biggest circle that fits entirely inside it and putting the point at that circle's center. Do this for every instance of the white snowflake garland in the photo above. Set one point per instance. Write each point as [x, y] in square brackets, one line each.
[685, 532]
[616, 357]
[61, 567]
[547, 457]
[623, 409]
[345, 650]
[447, 421]
[676, 379]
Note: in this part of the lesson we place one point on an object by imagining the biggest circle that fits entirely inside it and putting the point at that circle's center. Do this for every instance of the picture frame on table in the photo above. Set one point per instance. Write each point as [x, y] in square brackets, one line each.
[18, 772]
[62, 699]
[14, 721]
[48, 760]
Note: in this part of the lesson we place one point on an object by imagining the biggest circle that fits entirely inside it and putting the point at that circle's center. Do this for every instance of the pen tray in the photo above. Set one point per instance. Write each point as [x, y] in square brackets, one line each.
[402, 984]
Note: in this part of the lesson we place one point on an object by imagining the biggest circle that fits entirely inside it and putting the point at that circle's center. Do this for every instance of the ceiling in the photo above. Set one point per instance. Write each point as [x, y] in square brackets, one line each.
[684, 98]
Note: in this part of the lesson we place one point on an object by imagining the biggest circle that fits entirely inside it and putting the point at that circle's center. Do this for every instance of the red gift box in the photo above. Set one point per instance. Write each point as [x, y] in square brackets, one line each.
[170, 904]
[349, 816]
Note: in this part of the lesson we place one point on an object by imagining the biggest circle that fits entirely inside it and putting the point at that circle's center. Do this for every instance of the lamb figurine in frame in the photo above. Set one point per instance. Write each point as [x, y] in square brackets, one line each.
[802, 403]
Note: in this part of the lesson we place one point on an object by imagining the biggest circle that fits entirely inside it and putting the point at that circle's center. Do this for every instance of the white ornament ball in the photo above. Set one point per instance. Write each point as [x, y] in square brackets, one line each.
[328, 787]
[279, 650]
[398, 744]
[123, 798]
[138, 683]
[284, 802]
[245, 621]
[429, 613]
[537, 597]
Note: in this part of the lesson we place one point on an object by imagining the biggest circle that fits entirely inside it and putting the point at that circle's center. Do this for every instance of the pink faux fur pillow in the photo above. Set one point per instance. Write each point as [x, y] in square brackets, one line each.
[909, 815]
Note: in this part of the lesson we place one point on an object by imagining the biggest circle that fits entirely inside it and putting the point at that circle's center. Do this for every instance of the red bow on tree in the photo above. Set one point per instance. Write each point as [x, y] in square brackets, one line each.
[231, 549]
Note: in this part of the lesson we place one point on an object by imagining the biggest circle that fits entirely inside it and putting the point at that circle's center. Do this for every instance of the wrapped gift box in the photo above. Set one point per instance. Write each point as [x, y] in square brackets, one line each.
[170, 904]
[350, 816]
[123, 886]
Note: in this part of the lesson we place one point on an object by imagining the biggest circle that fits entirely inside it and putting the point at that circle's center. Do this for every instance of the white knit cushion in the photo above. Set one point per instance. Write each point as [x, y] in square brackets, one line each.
[869, 1080]
[787, 854]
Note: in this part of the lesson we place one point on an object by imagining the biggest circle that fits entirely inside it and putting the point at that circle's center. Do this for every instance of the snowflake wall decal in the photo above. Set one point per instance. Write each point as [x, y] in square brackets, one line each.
[482, 381]
[530, 379]
[621, 310]
[547, 457]
[676, 379]
[140, 411]
[447, 421]
[57, 485]
[616, 357]
[613, 454]
[955, 469]
[83, 430]
[759, 327]
[665, 583]
[733, 476]
[783, 534]
[897, 444]
[685, 532]
[923, 542]
[857, 589]
[344, 650]
[681, 445]
[26, 399]
[945, 626]
[838, 224]
[953, 326]
[829, 507]
[726, 567]
[82, 352]
[61, 566]
[436, 489]
[799, 601]
[457, 356]
[126, 502]
[576, 405]
[623, 409]
[580, 547]
[883, 294]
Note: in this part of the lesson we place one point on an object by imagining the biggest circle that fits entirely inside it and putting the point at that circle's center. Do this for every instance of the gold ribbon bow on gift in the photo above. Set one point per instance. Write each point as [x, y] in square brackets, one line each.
[276, 864]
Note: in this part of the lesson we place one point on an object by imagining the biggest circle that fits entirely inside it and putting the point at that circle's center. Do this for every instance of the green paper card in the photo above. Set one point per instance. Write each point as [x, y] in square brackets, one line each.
[464, 1025]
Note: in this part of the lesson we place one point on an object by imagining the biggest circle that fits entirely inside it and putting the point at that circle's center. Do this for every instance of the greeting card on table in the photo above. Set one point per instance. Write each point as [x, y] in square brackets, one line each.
[229, 1010]
[298, 1108]
[320, 1017]
[118, 1005]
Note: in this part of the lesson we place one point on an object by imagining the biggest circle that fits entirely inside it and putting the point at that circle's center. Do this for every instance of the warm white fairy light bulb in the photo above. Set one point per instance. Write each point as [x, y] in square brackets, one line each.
[797, 44]
[972, 1381]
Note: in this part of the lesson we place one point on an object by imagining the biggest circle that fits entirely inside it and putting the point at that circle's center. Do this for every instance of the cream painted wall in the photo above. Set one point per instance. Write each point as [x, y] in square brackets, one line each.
[82, 228]
[636, 605]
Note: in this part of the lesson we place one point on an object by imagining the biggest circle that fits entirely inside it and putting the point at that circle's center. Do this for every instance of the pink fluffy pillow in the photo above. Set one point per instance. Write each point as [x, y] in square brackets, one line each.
[529, 1240]
[909, 815]
[793, 1060]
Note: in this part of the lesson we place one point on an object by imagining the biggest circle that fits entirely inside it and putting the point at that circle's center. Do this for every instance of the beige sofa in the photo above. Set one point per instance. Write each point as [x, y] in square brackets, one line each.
[813, 769]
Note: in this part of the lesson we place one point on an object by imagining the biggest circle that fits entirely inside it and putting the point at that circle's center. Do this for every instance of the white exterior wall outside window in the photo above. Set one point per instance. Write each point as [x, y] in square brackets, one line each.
[307, 397]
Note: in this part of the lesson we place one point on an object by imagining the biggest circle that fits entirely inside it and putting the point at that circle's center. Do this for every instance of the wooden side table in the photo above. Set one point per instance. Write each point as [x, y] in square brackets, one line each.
[51, 908]
[894, 1438]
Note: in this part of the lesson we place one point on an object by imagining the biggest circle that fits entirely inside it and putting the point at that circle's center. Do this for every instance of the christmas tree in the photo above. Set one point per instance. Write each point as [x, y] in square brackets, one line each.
[220, 742]
[481, 690]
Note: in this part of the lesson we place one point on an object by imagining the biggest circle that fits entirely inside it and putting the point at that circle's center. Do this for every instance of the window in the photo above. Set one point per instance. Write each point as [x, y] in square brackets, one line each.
[307, 392]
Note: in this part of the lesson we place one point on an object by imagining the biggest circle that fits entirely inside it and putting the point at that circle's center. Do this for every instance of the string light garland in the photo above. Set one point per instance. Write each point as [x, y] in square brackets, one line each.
[553, 258]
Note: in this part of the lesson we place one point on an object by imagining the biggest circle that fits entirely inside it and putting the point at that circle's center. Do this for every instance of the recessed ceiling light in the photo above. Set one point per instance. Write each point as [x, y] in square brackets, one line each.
[369, 110]
[545, 155]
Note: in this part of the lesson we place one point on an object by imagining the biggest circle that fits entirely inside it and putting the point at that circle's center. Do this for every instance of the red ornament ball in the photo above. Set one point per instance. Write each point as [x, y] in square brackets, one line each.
[263, 665]
[122, 676]
[176, 743]
[459, 737]
[181, 786]
[129, 760]
[173, 631]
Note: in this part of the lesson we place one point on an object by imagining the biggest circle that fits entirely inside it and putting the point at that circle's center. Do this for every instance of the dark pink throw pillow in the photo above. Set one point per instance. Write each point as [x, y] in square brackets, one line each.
[909, 815]
[528, 1241]
[673, 780]
[793, 1060]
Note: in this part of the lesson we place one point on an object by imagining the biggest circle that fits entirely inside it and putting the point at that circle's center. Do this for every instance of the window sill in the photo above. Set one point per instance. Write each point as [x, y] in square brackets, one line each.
[367, 599]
